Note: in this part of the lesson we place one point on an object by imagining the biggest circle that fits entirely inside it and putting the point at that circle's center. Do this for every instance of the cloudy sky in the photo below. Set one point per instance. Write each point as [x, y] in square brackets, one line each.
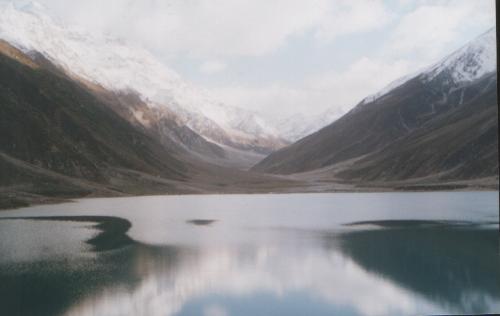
[287, 56]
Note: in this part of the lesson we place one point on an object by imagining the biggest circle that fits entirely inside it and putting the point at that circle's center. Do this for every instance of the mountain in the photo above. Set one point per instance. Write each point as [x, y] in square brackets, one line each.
[410, 129]
[122, 68]
[297, 126]
[53, 131]
[462, 144]
[60, 139]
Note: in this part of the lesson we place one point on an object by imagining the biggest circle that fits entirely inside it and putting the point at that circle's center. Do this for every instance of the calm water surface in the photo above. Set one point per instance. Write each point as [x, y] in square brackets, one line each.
[413, 254]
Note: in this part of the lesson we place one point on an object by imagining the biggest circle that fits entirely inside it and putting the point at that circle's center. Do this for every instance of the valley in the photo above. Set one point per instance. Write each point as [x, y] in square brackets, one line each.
[216, 158]
[73, 124]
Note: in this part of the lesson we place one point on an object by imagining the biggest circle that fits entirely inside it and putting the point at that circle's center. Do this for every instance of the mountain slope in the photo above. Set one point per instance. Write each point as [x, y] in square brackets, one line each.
[405, 108]
[51, 122]
[463, 144]
[125, 69]
[165, 126]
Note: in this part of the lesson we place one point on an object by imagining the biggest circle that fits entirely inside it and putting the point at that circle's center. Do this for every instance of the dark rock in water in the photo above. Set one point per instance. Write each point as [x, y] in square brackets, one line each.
[420, 223]
[201, 222]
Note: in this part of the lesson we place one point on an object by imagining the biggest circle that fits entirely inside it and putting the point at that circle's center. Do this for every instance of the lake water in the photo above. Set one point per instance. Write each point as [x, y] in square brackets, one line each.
[220, 255]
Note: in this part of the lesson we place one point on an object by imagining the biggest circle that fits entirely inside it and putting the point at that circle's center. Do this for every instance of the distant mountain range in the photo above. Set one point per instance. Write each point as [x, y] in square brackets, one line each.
[298, 125]
[439, 122]
[83, 115]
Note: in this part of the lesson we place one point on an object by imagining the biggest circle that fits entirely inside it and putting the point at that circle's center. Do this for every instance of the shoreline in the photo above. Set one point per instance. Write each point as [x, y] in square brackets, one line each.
[12, 201]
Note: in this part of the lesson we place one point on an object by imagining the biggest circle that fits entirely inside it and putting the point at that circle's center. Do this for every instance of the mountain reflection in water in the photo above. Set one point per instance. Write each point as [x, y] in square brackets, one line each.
[404, 269]
[457, 267]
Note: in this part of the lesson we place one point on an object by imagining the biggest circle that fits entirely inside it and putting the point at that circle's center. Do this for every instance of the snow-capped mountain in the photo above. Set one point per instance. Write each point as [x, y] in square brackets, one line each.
[469, 62]
[295, 126]
[466, 64]
[439, 121]
[121, 67]
[298, 125]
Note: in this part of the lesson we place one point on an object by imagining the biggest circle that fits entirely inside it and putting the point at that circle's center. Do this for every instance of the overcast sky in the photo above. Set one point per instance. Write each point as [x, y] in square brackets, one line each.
[287, 56]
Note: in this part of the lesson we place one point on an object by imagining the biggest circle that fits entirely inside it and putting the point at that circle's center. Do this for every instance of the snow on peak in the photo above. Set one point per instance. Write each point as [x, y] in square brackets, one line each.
[297, 126]
[466, 64]
[102, 60]
[119, 66]
[470, 62]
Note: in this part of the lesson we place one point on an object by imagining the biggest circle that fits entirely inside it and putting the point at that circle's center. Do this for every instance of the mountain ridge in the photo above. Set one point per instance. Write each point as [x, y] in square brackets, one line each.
[124, 68]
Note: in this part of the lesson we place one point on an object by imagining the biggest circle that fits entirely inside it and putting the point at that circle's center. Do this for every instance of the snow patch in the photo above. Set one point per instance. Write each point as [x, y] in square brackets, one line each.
[469, 62]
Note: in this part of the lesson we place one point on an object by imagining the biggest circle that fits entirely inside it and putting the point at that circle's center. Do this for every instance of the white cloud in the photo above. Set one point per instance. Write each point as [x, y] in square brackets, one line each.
[198, 27]
[212, 67]
[348, 16]
[413, 34]
[211, 28]
[339, 91]
[429, 30]
[418, 39]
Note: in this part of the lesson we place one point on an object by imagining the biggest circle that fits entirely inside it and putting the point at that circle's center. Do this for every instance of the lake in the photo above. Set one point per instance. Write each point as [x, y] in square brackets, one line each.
[221, 255]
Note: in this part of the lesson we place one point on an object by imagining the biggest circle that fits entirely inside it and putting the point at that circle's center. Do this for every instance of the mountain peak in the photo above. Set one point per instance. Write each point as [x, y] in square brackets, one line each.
[470, 62]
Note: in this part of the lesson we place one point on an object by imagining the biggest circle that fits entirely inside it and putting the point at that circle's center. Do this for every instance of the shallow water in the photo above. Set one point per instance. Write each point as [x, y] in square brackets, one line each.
[415, 253]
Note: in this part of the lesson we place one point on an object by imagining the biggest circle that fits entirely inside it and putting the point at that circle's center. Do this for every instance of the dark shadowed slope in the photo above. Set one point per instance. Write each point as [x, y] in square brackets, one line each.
[365, 129]
[463, 144]
[50, 122]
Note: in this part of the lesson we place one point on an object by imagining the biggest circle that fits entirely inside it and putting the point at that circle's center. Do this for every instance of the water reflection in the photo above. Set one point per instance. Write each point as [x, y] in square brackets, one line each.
[456, 266]
[411, 269]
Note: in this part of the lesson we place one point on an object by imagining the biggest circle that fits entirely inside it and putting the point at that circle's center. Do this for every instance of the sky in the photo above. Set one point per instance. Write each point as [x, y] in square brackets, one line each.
[282, 57]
